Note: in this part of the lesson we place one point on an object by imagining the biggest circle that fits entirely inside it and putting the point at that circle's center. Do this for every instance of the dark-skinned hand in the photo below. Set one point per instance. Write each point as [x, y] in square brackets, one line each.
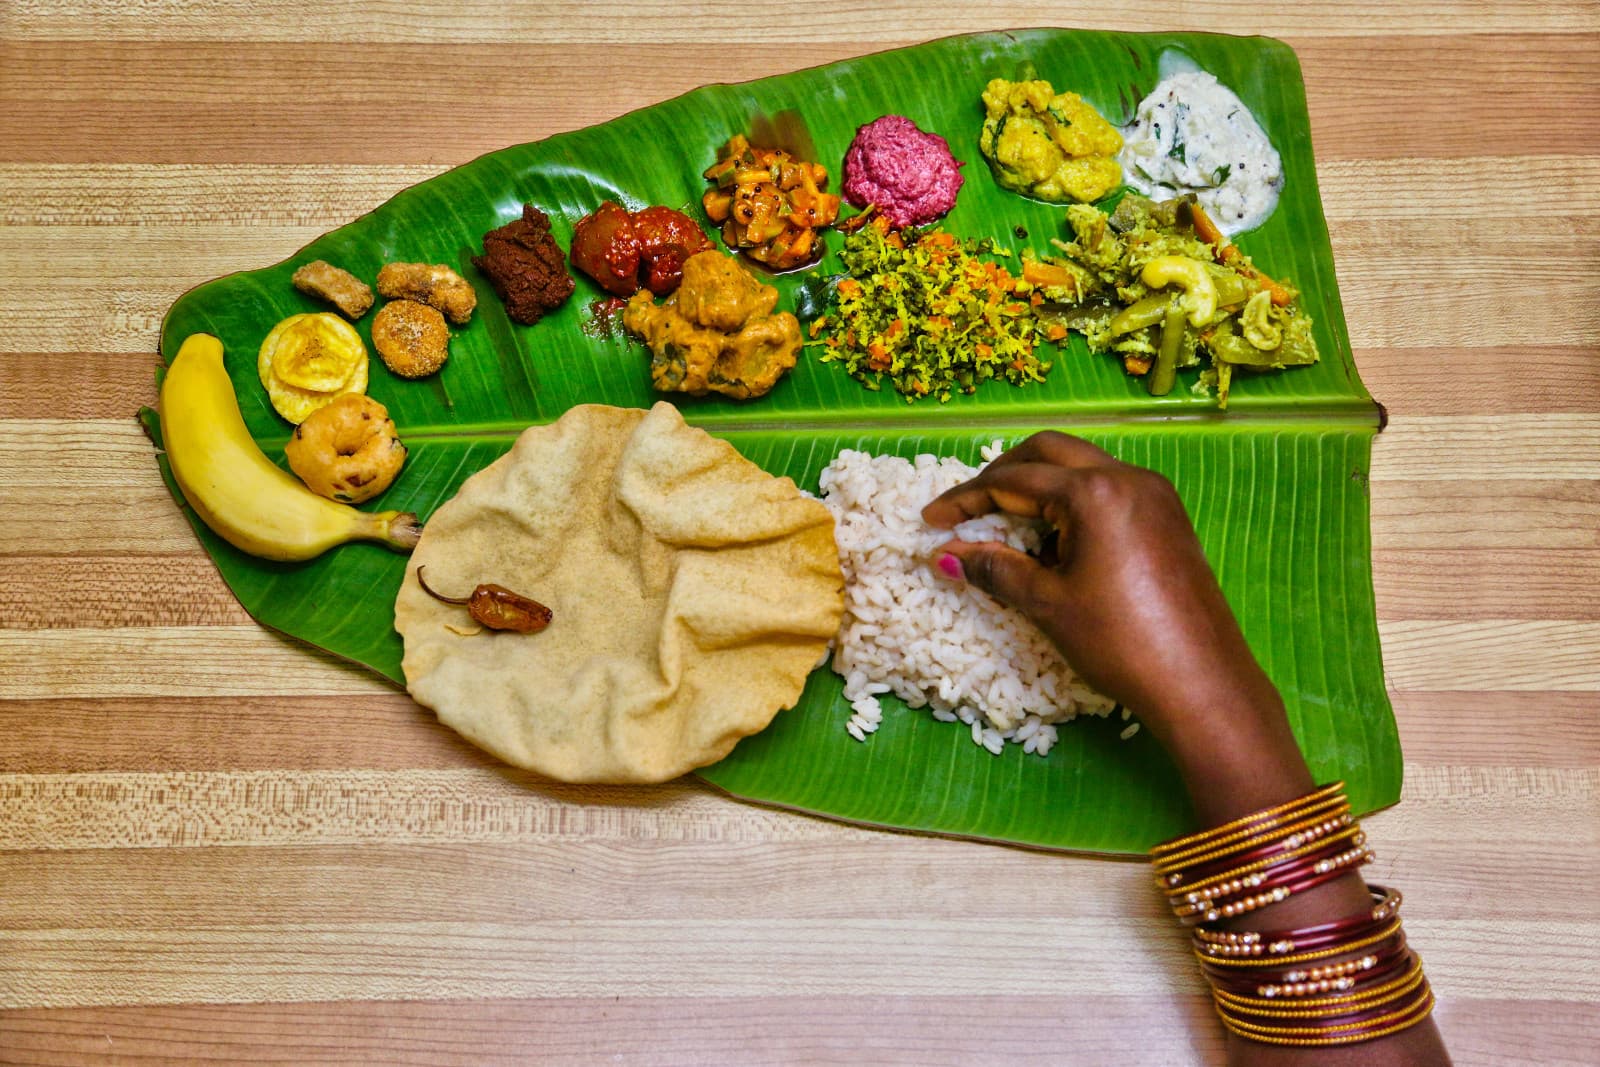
[1130, 599]
[1131, 602]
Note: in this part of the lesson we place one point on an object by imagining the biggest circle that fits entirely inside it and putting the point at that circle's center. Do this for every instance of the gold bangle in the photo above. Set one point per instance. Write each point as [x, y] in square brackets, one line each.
[1312, 1031]
[1303, 957]
[1338, 807]
[1245, 820]
[1363, 1001]
[1425, 1009]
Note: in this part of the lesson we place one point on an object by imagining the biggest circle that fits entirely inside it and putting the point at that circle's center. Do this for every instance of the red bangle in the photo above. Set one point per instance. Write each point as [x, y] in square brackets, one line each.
[1255, 943]
[1340, 962]
[1191, 878]
[1343, 976]
[1278, 891]
[1379, 980]
[1268, 873]
[1303, 965]
[1244, 882]
[1325, 1008]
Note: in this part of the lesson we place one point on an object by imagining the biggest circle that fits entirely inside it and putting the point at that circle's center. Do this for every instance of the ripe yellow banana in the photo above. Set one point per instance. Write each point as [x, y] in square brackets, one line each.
[240, 493]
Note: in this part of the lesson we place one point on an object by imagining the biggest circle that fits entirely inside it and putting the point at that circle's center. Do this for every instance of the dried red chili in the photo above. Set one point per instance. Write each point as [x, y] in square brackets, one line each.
[497, 607]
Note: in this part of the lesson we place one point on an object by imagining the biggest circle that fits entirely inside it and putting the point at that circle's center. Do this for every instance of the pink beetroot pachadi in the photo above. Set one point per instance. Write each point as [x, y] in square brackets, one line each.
[910, 175]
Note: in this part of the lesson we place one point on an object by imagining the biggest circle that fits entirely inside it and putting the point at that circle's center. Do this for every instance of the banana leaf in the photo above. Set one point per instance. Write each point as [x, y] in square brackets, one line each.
[1277, 486]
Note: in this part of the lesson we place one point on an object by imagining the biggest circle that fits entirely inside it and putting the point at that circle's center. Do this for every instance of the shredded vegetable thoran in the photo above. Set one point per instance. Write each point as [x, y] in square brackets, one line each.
[923, 310]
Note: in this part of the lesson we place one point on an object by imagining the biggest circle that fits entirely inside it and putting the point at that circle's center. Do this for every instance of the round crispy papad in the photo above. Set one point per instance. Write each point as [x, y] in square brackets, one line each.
[691, 594]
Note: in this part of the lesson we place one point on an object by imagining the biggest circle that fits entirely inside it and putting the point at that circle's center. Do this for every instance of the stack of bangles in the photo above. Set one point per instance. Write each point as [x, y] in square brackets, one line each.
[1337, 983]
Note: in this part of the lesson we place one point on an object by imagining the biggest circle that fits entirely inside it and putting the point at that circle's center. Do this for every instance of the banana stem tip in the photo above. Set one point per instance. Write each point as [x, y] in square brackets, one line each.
[404, 531]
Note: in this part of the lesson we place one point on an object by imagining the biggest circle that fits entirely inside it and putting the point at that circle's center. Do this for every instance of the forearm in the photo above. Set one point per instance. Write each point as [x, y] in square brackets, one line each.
[1129, 599]
[1240, 757]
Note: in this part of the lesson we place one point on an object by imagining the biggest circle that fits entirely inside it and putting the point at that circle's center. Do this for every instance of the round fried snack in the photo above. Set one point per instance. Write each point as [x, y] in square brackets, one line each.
[306, 361]
[691, 592]
[429, 283]
[411, 337]
[347, 451]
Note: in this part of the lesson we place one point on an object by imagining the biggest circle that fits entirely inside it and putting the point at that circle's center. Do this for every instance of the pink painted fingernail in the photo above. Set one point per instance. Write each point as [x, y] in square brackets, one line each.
[951, 566]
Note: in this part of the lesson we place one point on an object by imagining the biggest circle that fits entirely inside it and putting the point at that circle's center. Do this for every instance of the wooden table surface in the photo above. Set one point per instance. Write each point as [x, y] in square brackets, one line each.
[217, 846]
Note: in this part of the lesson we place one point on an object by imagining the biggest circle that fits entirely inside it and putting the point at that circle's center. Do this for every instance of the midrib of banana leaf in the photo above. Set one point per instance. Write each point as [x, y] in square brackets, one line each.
[1277, 486]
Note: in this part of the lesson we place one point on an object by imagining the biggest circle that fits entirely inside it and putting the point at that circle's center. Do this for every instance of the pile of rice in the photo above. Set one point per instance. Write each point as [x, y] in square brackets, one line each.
[930, 641]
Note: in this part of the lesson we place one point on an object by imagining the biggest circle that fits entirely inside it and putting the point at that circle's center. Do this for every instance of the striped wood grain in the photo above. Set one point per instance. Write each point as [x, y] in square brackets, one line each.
[567, 22]
[827, 1031]
[171, 103]
[385, 730]
[713, 957]
[192, 809]
[496, 804]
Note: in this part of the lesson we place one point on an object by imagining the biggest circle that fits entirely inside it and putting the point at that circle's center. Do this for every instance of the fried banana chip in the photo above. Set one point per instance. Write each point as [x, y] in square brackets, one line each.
[411, 337]
[433, 284]
[307, 361]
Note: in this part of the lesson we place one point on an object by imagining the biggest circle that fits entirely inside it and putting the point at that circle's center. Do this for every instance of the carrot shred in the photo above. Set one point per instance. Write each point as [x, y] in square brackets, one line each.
[1208, 232]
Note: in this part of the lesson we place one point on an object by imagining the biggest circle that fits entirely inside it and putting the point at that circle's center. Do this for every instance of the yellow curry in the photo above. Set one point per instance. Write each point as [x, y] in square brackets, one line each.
[1048, 145]
[717, 333]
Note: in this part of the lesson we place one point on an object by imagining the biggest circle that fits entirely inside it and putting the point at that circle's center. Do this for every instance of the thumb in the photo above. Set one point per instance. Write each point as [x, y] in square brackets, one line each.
[1010, 576]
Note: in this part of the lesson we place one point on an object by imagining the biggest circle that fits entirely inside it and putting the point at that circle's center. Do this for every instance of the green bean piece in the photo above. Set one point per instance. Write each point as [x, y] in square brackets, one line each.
[1073, 318]
[1231, 288]
[1299, 348]
[1147, 312]
[1164, 372]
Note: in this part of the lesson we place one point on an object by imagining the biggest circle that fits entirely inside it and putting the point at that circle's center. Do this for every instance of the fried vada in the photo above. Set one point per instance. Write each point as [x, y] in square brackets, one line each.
[347, 451]
[433, 284]
[411, 338]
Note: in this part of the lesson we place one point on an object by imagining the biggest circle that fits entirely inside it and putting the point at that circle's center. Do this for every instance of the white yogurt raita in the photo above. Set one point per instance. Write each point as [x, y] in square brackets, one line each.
[1193, 135]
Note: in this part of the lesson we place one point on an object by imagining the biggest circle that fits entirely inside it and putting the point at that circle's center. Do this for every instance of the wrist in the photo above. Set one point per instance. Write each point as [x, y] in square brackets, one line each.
[1304, 961]
[1234, 751]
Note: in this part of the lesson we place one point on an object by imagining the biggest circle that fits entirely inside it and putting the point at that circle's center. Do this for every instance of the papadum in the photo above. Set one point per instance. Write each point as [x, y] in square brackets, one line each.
[691, 594]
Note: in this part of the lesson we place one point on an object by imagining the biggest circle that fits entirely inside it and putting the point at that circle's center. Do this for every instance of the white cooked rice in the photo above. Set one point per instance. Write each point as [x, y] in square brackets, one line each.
[932, 642]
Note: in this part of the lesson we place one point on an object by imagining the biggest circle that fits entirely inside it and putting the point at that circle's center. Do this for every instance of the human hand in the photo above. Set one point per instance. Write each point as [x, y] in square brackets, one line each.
[1131, 602]
[1130, 599]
